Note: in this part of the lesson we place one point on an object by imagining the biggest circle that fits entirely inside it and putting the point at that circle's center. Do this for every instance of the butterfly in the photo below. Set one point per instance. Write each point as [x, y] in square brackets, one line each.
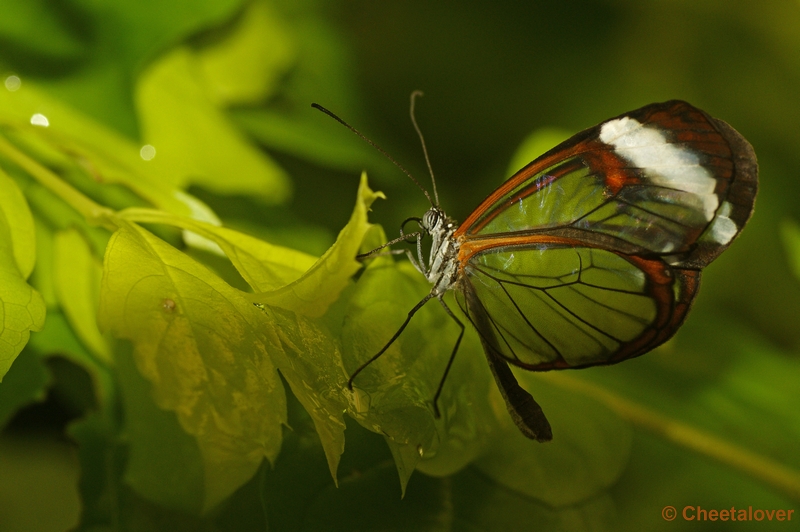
[592, 253]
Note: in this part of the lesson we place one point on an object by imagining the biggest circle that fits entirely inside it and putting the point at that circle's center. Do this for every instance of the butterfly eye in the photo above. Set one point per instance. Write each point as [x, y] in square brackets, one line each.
[430, 219]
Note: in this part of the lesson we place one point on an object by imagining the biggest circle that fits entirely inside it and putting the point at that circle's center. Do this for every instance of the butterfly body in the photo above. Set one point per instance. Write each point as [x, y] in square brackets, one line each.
[443, 265]
[592, 253]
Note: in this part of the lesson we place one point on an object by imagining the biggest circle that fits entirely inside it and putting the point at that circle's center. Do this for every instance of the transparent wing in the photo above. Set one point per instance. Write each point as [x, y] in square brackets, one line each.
[666, 179]
[552, 305]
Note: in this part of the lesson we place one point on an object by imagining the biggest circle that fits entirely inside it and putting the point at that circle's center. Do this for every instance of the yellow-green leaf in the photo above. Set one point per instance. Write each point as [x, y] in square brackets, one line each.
[320, 286]
[19, 224]
[205, 350]
[194, 142]
[313, 368]
[393, 395]
[590, 448]
[535, 145]
[105, 156]
[264, 266]
[248, 63]
[77, 282]
[22, 308]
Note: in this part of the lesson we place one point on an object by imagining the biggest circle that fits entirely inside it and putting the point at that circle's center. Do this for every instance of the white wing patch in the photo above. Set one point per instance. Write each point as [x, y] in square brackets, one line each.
[723, 229]
[664, 164]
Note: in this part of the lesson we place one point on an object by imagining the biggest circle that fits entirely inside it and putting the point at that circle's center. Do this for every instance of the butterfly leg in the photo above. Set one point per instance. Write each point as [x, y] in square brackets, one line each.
[401, 238]
[391, 340]
[450, 361]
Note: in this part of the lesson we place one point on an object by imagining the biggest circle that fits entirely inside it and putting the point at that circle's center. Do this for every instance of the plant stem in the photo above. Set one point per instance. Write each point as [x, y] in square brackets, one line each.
[93, 212]
[773, 473]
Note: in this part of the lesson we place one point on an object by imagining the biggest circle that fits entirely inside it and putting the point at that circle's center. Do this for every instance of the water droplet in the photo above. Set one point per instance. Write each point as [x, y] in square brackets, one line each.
[147, 152]
[13, 83]
[360, 401]
[168, 305]
[420, 450]
[40, 120]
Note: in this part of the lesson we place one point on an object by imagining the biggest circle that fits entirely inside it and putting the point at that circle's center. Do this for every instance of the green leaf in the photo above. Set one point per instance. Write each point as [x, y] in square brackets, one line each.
[116, 40]
[588, 454]
[314, 371]
[296, 496]
[158, 447]
[406, 457]
[534, 145]
[204, 349]
[102, 461]
[18, 223]
[393, 395]
[304, 133]
[323, 73]
[34, 27]
[77, 281]
[469, 501]
[57, 338]
[42, 276]
[248, 62]
[320, 286]
[262, 265]
[74, 142]
[194, 142]
[480, 504]
[22, 308]
[312, 365]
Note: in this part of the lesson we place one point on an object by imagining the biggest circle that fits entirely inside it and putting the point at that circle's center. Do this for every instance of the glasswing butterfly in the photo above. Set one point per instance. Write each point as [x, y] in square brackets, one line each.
[592, 253]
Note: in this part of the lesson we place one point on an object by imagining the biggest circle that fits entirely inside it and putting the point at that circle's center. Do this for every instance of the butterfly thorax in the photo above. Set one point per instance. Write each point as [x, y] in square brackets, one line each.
[442, 269]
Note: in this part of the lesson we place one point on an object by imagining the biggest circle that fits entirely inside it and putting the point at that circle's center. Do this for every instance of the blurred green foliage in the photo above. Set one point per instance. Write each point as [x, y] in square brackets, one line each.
[182, 177]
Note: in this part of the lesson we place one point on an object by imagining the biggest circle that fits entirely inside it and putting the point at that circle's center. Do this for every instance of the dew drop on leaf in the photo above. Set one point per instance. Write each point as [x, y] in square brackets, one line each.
[359, 401]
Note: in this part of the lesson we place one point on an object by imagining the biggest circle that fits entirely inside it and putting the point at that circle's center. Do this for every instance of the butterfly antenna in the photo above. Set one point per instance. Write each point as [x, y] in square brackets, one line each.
[374, 145]
[422, 141]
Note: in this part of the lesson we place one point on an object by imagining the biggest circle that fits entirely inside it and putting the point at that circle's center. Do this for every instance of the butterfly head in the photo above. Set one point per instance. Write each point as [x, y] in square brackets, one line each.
[435, 220]
[432, 219]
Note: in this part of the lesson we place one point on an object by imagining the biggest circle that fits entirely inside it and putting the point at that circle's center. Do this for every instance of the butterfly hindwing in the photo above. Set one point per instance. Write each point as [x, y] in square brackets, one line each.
[559, 305]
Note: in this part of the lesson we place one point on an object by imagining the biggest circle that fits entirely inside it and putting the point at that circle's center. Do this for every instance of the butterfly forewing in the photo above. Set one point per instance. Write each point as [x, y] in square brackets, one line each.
[591, 253]
[654, 179]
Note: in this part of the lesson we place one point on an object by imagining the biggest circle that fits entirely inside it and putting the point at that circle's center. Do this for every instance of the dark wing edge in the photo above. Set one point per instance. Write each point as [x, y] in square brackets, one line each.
[688, 282]
[741, 197]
